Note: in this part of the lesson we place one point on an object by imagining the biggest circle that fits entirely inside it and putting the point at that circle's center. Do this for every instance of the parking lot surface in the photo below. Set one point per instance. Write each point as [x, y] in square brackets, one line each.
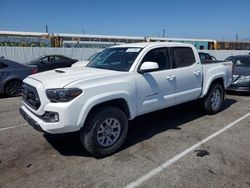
[32, 159]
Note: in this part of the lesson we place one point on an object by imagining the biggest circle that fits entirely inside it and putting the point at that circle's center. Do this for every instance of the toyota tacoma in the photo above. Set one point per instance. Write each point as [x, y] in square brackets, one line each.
[119, 84]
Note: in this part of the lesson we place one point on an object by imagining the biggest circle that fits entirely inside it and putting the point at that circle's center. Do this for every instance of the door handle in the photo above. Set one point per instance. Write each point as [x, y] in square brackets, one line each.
[197, 73]
[172, 77]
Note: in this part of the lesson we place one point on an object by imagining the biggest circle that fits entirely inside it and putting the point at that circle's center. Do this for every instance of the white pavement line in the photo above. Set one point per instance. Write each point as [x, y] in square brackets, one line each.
[7, 128]
[160, 168]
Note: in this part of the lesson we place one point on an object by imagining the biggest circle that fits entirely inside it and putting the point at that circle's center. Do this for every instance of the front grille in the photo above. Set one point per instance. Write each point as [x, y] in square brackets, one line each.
[30, 96]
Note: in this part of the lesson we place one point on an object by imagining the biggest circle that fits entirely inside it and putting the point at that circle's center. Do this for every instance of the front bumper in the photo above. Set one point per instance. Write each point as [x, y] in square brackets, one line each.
[50, 127]
[30, 121]
[236, 87]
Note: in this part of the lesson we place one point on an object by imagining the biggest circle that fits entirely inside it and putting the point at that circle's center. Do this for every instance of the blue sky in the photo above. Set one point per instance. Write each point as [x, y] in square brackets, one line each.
[215, 19]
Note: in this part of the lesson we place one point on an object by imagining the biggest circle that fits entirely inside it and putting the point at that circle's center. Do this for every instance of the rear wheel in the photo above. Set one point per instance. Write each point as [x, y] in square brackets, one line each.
[105, 131]
[213, 101]
[13, 88]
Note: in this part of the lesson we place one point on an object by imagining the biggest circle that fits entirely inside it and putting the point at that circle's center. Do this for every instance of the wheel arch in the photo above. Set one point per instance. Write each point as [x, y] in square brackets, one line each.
[217, 79]
[212, 104]
[124, 102]
[119, 103]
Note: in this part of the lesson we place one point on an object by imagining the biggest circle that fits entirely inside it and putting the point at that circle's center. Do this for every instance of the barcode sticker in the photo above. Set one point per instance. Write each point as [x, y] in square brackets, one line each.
[133, 49]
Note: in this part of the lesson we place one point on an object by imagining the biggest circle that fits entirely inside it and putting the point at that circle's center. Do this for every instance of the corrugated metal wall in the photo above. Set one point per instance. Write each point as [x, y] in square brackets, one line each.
[24, 54]
[223, 54]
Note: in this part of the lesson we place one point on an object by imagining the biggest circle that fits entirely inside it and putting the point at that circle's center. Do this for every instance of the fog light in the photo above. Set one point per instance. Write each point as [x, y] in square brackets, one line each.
[51, 117]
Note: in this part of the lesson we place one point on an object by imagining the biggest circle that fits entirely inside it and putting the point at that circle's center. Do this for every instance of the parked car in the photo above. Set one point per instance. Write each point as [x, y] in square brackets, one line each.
[241, 75]
[50, 62]
[206, 56]
[121, 83]
[86, 61]
[12, 75]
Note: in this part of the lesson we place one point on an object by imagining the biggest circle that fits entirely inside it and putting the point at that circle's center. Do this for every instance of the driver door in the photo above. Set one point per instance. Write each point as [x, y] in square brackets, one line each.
[156, 89]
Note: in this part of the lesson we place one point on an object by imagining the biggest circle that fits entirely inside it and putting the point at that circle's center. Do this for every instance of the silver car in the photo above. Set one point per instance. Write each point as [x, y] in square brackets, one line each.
[12, 75]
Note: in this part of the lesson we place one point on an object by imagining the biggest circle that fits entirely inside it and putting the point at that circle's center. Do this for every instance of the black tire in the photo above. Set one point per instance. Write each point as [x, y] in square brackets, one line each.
[12, 88]
[211, 105]
[95, 122]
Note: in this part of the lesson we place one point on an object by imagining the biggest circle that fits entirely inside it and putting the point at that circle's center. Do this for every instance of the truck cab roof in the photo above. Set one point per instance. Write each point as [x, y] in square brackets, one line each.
[152, 44]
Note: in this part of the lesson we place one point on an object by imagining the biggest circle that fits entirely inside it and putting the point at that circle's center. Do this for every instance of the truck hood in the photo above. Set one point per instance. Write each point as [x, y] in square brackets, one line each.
[59, 78]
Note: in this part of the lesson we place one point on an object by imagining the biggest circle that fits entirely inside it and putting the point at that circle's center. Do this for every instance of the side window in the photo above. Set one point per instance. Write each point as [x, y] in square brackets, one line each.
[3, 65]
[59, 59]
[202, 56]
[159, 55]
[208, 57]
[51, 59]
[44, 60]
[184, 56]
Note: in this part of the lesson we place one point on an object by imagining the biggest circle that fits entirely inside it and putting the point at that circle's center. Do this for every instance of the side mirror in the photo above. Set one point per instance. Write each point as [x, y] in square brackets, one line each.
[148, 66]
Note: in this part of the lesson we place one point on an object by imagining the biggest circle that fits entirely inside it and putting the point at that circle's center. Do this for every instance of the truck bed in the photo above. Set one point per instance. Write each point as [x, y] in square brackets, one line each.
[212, 61]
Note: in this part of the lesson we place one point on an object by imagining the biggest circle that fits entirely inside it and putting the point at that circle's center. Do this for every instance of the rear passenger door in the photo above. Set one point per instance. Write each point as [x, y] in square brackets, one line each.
[188, 74]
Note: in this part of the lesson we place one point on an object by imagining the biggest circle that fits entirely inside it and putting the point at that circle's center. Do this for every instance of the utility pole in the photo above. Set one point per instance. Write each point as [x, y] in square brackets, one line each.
[46, 28]
[83, 30]
[163, 33]
[237, 37]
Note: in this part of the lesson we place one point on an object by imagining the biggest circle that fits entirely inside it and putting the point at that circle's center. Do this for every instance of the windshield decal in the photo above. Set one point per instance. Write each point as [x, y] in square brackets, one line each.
[133, 49]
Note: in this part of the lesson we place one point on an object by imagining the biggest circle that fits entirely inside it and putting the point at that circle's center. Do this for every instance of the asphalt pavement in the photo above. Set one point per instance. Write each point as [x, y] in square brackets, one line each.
[149, 157]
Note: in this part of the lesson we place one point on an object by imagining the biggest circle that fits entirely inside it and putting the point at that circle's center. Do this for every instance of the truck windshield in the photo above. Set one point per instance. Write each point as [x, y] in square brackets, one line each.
[119, 59]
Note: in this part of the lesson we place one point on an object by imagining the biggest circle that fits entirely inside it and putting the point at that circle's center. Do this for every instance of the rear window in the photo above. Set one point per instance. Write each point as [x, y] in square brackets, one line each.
[183, 56]
[3, 65]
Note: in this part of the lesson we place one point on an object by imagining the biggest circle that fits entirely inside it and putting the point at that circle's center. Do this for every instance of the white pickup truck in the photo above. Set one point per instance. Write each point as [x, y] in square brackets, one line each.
[119, 84]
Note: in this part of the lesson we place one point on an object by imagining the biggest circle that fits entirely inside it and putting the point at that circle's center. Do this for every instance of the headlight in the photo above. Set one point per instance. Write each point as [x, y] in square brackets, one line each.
[63, 95]
[244, 78]
[247, 77]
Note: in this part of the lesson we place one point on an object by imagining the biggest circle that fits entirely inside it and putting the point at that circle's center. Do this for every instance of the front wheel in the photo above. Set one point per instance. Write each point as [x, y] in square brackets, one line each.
[13, 88]
[213, 101]
[105, 131]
